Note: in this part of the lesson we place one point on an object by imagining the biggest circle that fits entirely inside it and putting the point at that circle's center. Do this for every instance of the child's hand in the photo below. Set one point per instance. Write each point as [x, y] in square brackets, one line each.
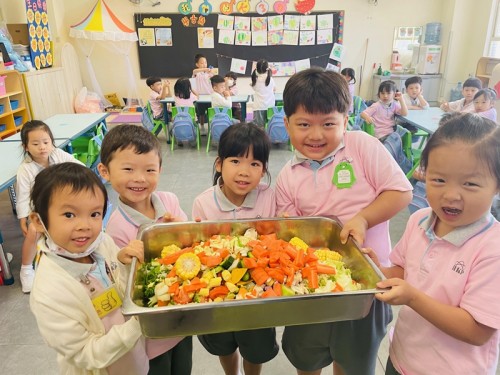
[401, 292]
[445, 107]
[227, 93]
[398, 96]
[168, 218]
[356, 228]
[134, 249]
[371, 254]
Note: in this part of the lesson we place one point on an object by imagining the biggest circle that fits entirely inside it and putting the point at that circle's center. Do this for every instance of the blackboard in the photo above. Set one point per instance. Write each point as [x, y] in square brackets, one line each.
[178, 60]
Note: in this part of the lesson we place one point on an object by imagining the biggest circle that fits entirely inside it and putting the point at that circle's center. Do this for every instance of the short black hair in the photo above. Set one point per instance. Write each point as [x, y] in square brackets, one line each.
[216, 79]
[318, 91]
[182, 88]
[473, 82]
[488, 93]
[54, 178]
[28, 127]
[128, 136]
[197, 57]
[152, 80]
[413, 80]
[232, 75]
[386, 86]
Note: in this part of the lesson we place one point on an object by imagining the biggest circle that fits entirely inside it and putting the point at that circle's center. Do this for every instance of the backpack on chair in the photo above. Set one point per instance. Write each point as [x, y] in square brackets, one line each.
[276, 126]
[183, 127]
[220, 122]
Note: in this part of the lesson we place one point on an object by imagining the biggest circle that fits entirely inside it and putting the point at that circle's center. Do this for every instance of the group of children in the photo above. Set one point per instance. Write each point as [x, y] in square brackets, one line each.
[332, 172]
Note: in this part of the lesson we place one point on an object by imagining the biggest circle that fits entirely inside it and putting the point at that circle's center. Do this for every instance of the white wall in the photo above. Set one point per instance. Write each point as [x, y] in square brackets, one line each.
[367, 27]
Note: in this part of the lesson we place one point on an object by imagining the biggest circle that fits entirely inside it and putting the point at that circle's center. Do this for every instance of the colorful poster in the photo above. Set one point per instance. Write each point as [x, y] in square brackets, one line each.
[307, 38]
[225, 22]
[325, 21]
[242, 23]
[290, 38]
[259, 38]
[333, 67]
[275, 38]
[324, 36]
[337, 52]
[302, 65]
[307, 22]
[243, 38]
[226, 36]
[282, 69]
[238, 66]
[292, 22]
[205, 37]
[259, 23]
[163, 36]
[275, 23]
[146, 37]
[39, 35]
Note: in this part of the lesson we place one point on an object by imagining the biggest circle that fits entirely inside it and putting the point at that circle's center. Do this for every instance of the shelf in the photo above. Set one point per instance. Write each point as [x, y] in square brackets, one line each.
[14, 87]
[485, 66]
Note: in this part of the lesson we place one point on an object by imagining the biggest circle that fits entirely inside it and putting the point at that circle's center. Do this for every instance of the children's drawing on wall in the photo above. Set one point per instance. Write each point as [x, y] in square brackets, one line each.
[205, 37]
[290, 37]
[325, 21]
[226, 36]
[302, 65]
[238, 66]
[282, 69]
[225, 22]
[259, 24]
[146, 37]
[163, 36]
[292, 22]
[333, 67]
[275, 38]
[337, 52]
[259, 38]
[307, 38]
[243, 38]
[307, 22]
[275, 23]
[242, 23]
[325, 36]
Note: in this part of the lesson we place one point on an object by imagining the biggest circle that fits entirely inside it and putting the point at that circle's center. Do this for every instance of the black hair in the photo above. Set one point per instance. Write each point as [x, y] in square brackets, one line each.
[182, 88]
[128, 136]
[216, 79]
[488, 93]
[386, 86]
[413, 80]
[349, 72]
[318, 91]
[28, 127]
[261, 67]
[473, 82]
[237, 140]
[152, 80]
[197, 57]
[470, 129]
[56, 177]
[232, 75]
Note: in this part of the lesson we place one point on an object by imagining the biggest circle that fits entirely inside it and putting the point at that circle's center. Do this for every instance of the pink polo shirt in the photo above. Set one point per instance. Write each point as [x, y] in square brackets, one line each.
[460, 269]
[156, 106]
[383, 115]
[182, 102]
[203, 84]
[304, 188]
[489, 114]
[212, 204]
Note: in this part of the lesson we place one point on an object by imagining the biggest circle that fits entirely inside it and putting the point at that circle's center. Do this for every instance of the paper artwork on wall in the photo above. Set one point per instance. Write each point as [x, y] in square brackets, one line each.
[307, 38]
[292, 22]
[325, 36]
[290, 38]
[226, 36]
[163, 36]
[259, 38]
[242, 23]
[259, 23]
[333, 68]
[205, 37]
[282, 69]
[146, 37]
[275, 38]
[337, 52]
[225, 22]
[243, 38]
[275, 23]
[302, 65]
[307, 22]
[325, 21]
[238, 66]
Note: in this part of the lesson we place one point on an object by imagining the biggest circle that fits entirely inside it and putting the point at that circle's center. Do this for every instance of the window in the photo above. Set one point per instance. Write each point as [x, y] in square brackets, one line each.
[494, 41]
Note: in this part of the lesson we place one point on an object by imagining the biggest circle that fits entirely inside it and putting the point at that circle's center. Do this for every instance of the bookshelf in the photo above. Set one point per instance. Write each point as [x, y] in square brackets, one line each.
[14, 110]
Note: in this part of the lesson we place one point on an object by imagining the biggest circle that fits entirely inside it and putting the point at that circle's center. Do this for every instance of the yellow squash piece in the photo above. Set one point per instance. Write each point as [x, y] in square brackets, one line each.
[187, 266]
[237, 274]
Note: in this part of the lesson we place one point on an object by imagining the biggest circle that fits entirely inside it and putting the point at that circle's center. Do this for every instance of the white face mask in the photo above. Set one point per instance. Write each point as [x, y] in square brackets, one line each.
[56, 249]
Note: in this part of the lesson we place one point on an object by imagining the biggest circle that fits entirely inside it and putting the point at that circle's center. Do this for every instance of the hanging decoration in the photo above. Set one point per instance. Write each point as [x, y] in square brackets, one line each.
[243, 6]
[262, 7]
[304, 6]
[280, 6]
[39, 36]
[205, 8]
[185, 7]
[227, 7]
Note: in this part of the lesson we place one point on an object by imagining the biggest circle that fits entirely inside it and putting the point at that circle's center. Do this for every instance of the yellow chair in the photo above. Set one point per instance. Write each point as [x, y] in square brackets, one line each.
[192, 114]
[211, 113]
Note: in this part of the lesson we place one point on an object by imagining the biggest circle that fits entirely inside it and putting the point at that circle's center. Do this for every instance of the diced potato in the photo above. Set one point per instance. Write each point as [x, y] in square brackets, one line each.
[216, 281]
[226, 275]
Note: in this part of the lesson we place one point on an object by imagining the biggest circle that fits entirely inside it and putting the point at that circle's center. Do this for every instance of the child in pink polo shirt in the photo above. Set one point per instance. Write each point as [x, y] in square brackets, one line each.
[131, 162]
[445, 267]
[242, 161]
[484, 104]
[382, 113]
[202, 74]
[352, 176]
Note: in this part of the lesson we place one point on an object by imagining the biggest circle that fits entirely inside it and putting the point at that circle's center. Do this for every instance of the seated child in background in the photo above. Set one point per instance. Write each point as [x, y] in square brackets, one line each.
[470, 87]
[484, 100]
[350, 77]
[184, 94]
[231, 79]
[131, 162]
[413, 97]
[221, 97]
[159, 90]
[202, 74]
[382, 113]
[78, 264]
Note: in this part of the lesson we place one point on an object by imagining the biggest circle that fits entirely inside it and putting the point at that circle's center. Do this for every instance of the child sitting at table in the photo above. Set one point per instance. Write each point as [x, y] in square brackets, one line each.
[470, 87]
[382, 113]
[159, 90]
[231, 78]
[484, 100]
[221, 96]
[413, 97]
[184, 94]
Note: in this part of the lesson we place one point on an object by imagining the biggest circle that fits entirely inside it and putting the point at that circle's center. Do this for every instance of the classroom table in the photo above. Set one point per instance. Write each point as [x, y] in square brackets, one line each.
[426, 119]
[242, 99]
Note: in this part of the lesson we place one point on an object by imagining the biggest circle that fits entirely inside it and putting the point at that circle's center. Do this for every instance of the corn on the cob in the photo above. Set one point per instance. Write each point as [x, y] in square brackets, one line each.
[169, 250]
[298, 243]
[187, 266]
[326, 255]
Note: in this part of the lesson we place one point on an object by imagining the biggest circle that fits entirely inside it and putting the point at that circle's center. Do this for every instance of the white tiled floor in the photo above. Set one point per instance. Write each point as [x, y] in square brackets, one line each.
[186, 172]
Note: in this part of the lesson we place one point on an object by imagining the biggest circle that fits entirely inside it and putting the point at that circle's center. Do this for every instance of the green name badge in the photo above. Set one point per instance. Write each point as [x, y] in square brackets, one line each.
[343, 176]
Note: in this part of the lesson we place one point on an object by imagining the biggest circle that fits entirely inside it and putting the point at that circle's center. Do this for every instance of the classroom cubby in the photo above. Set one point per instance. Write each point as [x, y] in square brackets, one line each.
[14, 110]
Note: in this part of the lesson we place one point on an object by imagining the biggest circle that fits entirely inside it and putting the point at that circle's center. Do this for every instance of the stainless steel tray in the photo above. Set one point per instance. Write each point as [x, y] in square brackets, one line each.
[192, 319]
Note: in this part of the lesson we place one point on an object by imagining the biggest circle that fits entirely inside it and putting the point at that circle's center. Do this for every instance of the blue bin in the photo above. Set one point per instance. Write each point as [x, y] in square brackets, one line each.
[14, 104]
[18, 120]
[2, 107]
[2, 127]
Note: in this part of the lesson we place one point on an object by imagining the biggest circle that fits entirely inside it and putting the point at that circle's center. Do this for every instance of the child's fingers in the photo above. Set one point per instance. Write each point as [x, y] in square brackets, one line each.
[197, 219]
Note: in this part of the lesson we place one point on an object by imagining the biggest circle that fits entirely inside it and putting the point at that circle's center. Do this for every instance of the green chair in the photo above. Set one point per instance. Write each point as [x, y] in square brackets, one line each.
[368, 128]
[413, 154]
[87, 147]
[192, 113]
[211, 114]
[355, 117]
[158, 124]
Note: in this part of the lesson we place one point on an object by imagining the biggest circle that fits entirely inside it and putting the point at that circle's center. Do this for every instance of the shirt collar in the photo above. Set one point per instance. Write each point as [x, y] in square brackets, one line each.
[138, 218]
[459, 235]
[225, 204]
[299, 158]
[75, 269]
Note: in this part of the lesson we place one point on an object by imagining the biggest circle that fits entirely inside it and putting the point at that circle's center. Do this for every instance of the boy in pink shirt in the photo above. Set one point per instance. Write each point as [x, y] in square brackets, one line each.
[159, 90]
[352, 176]
[445, 267]
[131, 162]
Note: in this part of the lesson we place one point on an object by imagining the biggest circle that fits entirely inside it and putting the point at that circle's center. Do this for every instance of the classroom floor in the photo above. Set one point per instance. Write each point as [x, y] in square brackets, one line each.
[186, 172]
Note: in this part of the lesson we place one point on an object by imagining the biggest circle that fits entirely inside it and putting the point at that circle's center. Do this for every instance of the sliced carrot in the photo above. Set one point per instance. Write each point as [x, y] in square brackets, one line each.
[276, 273]
[262, 262]
[223, 253]
[193, 287]
[211, 261]
[249, 262]
[322, 268]
[277, 289]
[269, 292]
[218, 291]
[161, 303]
[267, 237]
[299, 259]
[181, 297]
[313, 280]
[260, 252]
[171, 259]
[338, 288]
[291, 251]
[259, 275]
[172, 273]
[172, 289]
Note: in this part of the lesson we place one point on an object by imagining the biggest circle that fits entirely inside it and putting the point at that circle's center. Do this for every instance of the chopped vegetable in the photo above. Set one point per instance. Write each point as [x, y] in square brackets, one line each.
[187, 266]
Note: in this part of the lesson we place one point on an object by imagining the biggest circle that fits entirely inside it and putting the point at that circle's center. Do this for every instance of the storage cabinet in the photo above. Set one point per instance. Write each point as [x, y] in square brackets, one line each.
[431, 84]
[14, 109]
[484, 68]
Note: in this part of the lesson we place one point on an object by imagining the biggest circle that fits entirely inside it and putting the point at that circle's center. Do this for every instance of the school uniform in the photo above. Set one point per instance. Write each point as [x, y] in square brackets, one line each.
[156, 105]
[459, 269]
[203, 86]
[304, 188]
[185, 102]
[413, 102]
[489, 114]
[263, 98]
[219, 100]
[384, 118]
[460, 106]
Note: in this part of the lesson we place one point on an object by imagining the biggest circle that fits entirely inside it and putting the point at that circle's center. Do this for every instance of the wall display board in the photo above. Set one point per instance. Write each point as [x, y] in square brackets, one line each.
[292, 41]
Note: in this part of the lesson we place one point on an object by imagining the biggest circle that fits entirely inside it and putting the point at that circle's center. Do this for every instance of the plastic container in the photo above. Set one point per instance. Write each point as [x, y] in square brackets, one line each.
[2, 108]
[14, 104]
[456, 92]
[3, 89]
[2, 127]
[18, 120]
[432, 33]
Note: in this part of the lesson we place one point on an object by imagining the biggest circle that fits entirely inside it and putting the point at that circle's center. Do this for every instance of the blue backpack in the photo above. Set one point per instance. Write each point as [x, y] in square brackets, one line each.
[220, 122]
[147, 119]
[276, 126]
[183, 127]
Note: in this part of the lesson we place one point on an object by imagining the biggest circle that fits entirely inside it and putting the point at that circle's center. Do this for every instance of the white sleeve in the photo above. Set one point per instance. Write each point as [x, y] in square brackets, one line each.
[24, 182]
